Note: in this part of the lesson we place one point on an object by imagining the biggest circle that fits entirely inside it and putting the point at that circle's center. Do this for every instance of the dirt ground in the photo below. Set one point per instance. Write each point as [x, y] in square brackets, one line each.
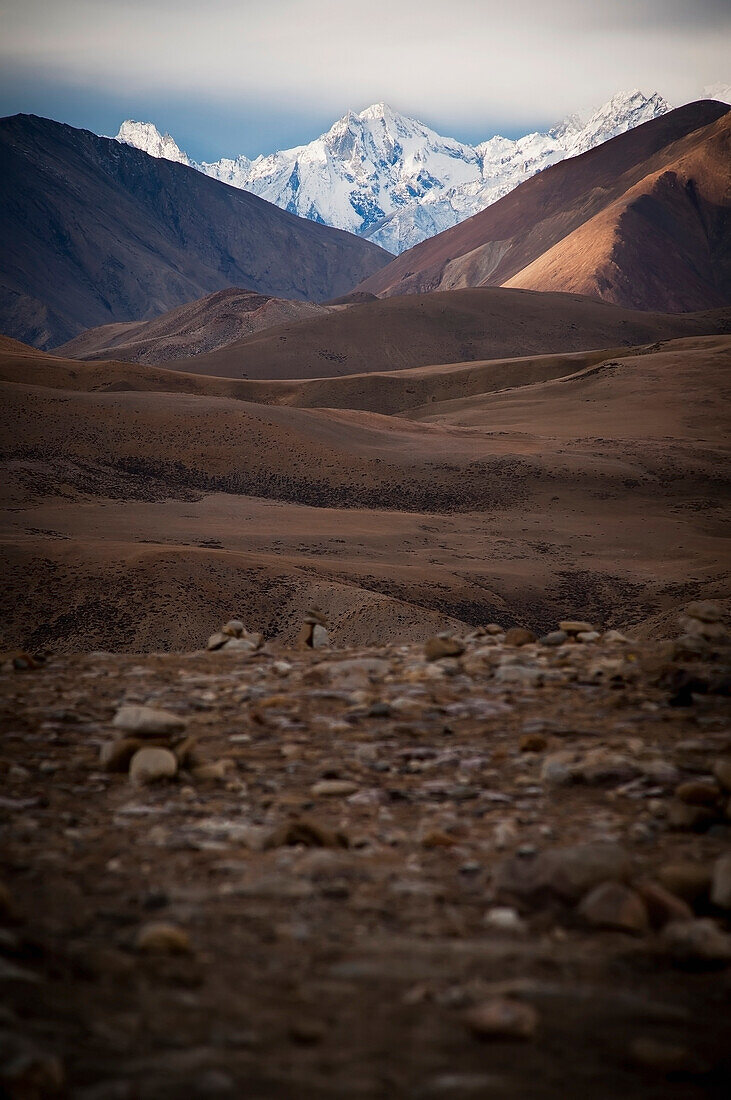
[493, 874]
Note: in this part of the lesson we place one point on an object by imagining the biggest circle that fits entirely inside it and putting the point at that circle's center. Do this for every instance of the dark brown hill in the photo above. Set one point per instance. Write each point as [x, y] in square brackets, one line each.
[641, 221]
[451, 327]
[205, 325]
[96, 232]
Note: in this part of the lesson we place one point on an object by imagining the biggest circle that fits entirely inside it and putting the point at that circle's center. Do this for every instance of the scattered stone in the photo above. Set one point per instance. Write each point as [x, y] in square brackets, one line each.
[710, 631]
[575, 626]
[533, 742]
[721, 882]
[601, 766]
[689, 881]
[662, 906]
[689, 647]
[505, 834]
[320, 637]
[588, 636]
[501, 1018]
[438, 839]
[698, 792]
[250, 644]
[217, 641]
[503, 918]
[554, 638]
[615, 636]
[664, 1058]
[309, 833]
[152, 765]
[185, 753]
[722, 772]
[693, 818]
[147, 721]
[161, 938]
[216, 772]
[333, 787]
[519, 635]
[443, 646]
[494, 629]
[519, 674]
[557, 769]
[697, 942]
[234, 628]
[566, 873]
[115, 756]
[24, 662]
[612, 905]
[659, 771]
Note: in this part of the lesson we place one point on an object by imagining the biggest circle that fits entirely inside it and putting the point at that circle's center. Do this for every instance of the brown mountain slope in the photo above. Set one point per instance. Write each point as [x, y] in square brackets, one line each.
[470, 324]
[95, 232]
[195, 328]
[642, 221]
[140, 518]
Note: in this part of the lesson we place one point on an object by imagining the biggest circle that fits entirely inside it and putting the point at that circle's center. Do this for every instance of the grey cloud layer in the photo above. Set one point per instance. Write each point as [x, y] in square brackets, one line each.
[462, 61]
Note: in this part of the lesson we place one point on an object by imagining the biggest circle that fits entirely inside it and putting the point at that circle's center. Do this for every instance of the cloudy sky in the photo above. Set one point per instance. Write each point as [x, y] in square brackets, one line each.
[231, 76]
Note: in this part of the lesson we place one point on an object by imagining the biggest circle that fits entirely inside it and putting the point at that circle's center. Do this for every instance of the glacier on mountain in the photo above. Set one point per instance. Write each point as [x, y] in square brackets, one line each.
[392, 179]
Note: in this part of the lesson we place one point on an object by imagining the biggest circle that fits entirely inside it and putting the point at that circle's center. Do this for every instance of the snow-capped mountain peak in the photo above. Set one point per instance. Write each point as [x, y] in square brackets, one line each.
[147, 137]
[393, 179]
[622, 112]
[721, 92]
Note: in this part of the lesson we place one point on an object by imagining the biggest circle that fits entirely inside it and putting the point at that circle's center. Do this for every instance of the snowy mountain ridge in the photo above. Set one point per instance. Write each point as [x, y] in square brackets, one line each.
[392, 179]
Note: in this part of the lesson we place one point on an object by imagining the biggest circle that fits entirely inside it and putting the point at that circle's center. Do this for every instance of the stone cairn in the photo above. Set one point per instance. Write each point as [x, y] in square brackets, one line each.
[235, 638]
[313, 632]
[152, 746]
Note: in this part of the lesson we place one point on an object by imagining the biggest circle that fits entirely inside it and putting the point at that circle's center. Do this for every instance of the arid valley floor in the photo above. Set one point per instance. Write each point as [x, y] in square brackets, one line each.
[364, 660]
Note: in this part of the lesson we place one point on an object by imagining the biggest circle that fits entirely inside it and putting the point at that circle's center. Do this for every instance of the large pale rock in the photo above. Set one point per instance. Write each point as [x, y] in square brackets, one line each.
[575, 626]
[147, 721]
[152, 765]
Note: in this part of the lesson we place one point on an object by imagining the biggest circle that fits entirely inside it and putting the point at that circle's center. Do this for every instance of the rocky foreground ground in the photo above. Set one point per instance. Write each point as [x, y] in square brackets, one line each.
[484, 867]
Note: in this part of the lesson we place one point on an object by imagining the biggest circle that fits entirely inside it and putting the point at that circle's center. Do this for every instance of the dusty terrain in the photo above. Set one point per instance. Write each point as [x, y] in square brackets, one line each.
[135, 517]
[641, 221]
[503, 873]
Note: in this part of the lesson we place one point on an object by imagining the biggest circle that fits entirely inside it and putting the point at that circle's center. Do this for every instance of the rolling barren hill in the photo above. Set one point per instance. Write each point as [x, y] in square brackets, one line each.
[450, 327]
[145, 504]
[641, 221]
[95, 232]
[197, 327]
